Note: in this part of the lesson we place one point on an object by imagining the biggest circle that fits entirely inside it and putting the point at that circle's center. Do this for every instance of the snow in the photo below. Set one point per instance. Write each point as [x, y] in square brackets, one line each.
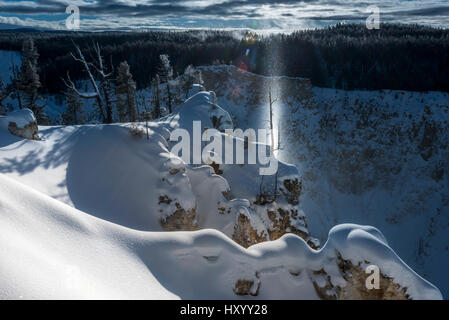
[21, 118]
[77, 256]
[196, 88]
[80, 218]
[393, 189]
[200, 107]
[120, 169]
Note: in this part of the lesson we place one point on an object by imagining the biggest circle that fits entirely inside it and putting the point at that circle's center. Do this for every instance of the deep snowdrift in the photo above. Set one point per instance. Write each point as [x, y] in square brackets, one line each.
[50, 250]
[82, 210]
[105, 171]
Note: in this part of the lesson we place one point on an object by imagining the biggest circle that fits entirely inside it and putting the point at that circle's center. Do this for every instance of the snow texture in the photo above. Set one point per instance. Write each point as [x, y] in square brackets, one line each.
[81, 212]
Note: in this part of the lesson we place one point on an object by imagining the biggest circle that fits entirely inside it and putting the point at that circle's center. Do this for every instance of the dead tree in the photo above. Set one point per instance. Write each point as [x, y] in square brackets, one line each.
[125, 89]
[155, 83]
[4, 93]
[271, 101]
[102, 94]
[105, 82]
[166, 71]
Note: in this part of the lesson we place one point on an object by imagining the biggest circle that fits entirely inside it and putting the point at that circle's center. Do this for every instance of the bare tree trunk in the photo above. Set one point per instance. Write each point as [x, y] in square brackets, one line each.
[279, 136]
[105, 83]
[102, 94]
[75, 118]
[271, 119]
[131, 113]
[96, 94]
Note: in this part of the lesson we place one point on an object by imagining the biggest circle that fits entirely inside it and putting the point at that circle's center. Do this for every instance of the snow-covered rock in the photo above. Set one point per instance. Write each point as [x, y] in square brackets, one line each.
[201, 107]
[261, 216]
[90, 196]
[368, 157]
[196, 88]
[21, 123]
[50, 250]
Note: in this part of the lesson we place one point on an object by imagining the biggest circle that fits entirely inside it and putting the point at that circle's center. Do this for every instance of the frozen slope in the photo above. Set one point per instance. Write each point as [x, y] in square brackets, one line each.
[370, 157]
[80, 165]
[81, 212]
[378, 158]
[50, 250]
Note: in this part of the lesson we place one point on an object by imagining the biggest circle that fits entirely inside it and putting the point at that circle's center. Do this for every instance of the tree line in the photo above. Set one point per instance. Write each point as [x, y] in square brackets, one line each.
[345, 56]
[113, 89]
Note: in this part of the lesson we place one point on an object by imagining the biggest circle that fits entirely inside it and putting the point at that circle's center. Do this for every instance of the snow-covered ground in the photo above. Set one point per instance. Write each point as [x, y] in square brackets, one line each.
[367, 157]
[87, 205]
[73, 203]
[379, 158]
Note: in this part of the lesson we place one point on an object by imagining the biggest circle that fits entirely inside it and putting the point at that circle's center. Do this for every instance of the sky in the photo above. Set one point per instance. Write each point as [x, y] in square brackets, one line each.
[259, 15]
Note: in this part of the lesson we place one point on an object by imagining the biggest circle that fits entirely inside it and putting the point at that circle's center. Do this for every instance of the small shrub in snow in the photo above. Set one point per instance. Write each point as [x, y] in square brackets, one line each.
[136, 131]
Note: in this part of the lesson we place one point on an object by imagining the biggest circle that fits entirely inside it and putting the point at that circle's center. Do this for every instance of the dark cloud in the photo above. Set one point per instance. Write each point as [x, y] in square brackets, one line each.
[325, 10]
[152, 8]
[435, 11]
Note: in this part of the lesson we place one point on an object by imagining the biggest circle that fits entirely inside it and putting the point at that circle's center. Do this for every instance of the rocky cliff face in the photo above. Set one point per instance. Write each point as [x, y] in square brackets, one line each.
[368, 157]
[377, 158]
[139, 188]
[232, 198]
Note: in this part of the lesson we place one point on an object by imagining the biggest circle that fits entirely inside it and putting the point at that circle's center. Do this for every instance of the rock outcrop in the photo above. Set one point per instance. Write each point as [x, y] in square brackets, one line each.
[370, 157]
[355, 288]
[21, 123]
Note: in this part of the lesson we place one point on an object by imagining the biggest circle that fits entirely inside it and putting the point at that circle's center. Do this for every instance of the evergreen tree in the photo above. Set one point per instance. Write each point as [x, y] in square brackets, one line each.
[199, 78]
[28, 82]
[126, 94]
[155, 83]
[3, 95]
[189, 78]
[74, 113]
[166, 72]
[344, 55]
[15, 84]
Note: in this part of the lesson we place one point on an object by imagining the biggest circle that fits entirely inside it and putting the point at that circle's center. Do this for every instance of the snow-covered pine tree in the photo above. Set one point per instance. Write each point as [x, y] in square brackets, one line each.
[74, 113]
[199, 77]
[28, 82]
[189, 79]
[155, 83]
[126, 94]
[166, 72]
[15, 83]
[3, 95]
[176, 84]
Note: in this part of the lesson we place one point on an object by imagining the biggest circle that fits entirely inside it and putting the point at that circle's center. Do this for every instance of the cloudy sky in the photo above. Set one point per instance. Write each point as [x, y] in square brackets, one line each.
[262, 15]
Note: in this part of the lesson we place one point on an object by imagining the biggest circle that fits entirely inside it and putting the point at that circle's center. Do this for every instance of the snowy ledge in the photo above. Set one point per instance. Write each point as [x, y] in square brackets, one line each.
[108, 261]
